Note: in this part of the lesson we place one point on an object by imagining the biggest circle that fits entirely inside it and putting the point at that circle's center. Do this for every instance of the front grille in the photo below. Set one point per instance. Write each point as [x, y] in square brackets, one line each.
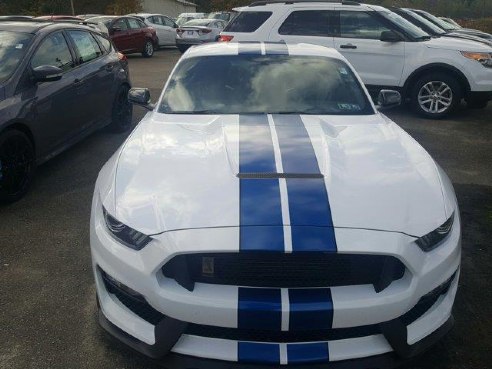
[283, 270]
[256, 335]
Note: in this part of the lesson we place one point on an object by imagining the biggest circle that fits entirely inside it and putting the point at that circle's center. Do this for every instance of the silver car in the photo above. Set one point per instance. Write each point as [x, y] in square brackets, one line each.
[198, 31]
[164, 26]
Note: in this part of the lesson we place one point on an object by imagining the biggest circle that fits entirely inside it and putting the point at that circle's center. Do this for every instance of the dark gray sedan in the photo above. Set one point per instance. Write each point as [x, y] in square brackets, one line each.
[58, 83]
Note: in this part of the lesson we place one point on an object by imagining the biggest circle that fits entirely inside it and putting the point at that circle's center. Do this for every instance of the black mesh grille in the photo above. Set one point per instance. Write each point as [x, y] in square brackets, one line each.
[283, 270]
[255, 335]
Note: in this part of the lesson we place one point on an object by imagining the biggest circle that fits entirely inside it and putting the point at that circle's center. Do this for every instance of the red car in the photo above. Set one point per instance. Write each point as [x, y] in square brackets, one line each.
[129, 34]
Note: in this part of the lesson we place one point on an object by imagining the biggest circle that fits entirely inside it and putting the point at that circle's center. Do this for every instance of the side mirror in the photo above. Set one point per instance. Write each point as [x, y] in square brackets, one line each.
[141, 97]
[388, 99]
[390, 36]
[47, 73]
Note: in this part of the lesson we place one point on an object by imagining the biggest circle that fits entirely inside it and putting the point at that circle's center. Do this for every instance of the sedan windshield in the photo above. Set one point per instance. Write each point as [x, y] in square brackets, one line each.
[439, 22]
[198, 22]
[411, 29]
[248, 84]
[13, 46]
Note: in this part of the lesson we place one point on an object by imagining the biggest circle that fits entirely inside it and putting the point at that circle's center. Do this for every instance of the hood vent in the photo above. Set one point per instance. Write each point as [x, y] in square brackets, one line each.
[278, 175]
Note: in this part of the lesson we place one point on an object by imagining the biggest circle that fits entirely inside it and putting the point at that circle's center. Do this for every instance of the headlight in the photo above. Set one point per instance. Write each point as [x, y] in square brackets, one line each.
[483, 58]
[433, 239]
[124, 234]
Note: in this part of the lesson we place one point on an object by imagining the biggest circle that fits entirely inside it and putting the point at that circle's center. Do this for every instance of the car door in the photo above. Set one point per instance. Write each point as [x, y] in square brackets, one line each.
[95, 73]
[378, 63]
[55, 105]
[171, 27]
[306, 25]
[156, 22]
[120, 35]
[137, 32]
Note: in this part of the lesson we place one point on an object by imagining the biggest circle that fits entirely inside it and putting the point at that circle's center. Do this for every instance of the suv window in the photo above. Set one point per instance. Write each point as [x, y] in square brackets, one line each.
[53, 50]
[87, 47]
[134, 24]
[248, 21]
[308, 23]
[356, 24]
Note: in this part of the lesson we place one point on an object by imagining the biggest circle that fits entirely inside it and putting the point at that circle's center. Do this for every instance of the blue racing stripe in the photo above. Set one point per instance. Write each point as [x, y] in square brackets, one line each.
[308, 199]
[259, 308]
[300, 353]
[260, 206]
[310, 309]
[248, 48]
[279, 48]
[264, 353]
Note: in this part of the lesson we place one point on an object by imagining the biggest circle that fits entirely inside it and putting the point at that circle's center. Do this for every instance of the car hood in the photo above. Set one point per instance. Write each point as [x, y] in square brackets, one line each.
[469, 37]
[458, 44]
[181, 172]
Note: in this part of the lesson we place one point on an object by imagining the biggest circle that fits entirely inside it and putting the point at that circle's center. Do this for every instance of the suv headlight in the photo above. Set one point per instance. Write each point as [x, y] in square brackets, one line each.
[483, 58]
[124, 234]
[433, 239]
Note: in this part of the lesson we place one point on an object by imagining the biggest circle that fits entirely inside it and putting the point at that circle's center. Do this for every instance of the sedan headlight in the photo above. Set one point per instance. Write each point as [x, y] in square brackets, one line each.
[124, 234]
[483, 58]
[433, 239]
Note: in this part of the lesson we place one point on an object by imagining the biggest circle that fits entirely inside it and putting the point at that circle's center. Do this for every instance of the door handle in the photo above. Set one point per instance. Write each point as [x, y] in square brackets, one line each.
[109, 67]
[78, 82]
[348, 46]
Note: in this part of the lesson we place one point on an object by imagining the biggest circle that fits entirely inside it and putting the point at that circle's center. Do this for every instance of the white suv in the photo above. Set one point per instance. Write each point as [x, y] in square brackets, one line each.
[435, 74]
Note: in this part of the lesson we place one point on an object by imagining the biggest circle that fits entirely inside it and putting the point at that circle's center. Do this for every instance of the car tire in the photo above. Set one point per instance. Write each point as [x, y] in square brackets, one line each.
[121, 118]
[148, 50]
[17, 165]
[436, 95]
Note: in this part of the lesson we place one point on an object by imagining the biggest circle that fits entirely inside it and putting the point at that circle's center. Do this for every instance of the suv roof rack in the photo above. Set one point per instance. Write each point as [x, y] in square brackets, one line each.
[266, 2]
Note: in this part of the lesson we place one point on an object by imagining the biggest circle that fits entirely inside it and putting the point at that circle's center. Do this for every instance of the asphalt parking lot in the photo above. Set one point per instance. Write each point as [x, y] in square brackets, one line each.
[47, 293]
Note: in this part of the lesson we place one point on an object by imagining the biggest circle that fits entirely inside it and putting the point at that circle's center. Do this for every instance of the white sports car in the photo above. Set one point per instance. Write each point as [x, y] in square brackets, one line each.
[265, 212]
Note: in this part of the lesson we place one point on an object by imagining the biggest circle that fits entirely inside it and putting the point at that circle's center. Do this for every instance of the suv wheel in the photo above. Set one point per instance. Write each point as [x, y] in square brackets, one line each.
[122, 111]
[436, 95]
[17, 164]
[148, 50]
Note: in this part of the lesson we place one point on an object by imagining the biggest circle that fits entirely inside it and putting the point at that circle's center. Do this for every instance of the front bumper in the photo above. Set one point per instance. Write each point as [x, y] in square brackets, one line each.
[365, 324]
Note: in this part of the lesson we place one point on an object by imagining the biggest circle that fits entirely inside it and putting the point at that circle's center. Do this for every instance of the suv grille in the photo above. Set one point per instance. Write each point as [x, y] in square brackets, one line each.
[281, 270]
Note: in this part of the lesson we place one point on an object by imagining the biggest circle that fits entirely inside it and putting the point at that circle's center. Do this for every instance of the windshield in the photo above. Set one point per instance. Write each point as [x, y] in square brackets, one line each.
[13, 46]
[439, 22]
[437, 30]
[105, 20]
[411, 29]
[248, 84]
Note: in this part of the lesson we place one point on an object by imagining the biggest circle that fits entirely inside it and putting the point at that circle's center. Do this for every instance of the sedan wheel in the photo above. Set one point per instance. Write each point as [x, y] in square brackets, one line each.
[436, 95]
[148, 49]
[17, 163]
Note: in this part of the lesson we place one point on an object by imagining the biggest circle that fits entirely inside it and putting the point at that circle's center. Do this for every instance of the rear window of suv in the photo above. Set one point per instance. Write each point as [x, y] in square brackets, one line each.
[247, 22]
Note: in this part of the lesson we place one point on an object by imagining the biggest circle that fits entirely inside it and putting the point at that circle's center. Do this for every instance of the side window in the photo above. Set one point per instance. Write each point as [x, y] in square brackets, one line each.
[308, 23]
[133, 23]
[141, 24]
[53, 51]
[157, 20]
[167, 22]
[87, 47]
[105, 43]
[121, 24]
[248, 22]
[360, 25]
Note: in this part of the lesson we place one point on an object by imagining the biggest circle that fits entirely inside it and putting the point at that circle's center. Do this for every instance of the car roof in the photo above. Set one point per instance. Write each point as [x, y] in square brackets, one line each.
[34, 26]
[231, 48]
[272, 5]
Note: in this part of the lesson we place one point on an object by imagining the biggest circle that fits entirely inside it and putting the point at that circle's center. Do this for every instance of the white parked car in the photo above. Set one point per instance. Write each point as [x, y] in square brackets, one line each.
[265, 212]
[197, 32]
[386, 50]
[164, 26]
